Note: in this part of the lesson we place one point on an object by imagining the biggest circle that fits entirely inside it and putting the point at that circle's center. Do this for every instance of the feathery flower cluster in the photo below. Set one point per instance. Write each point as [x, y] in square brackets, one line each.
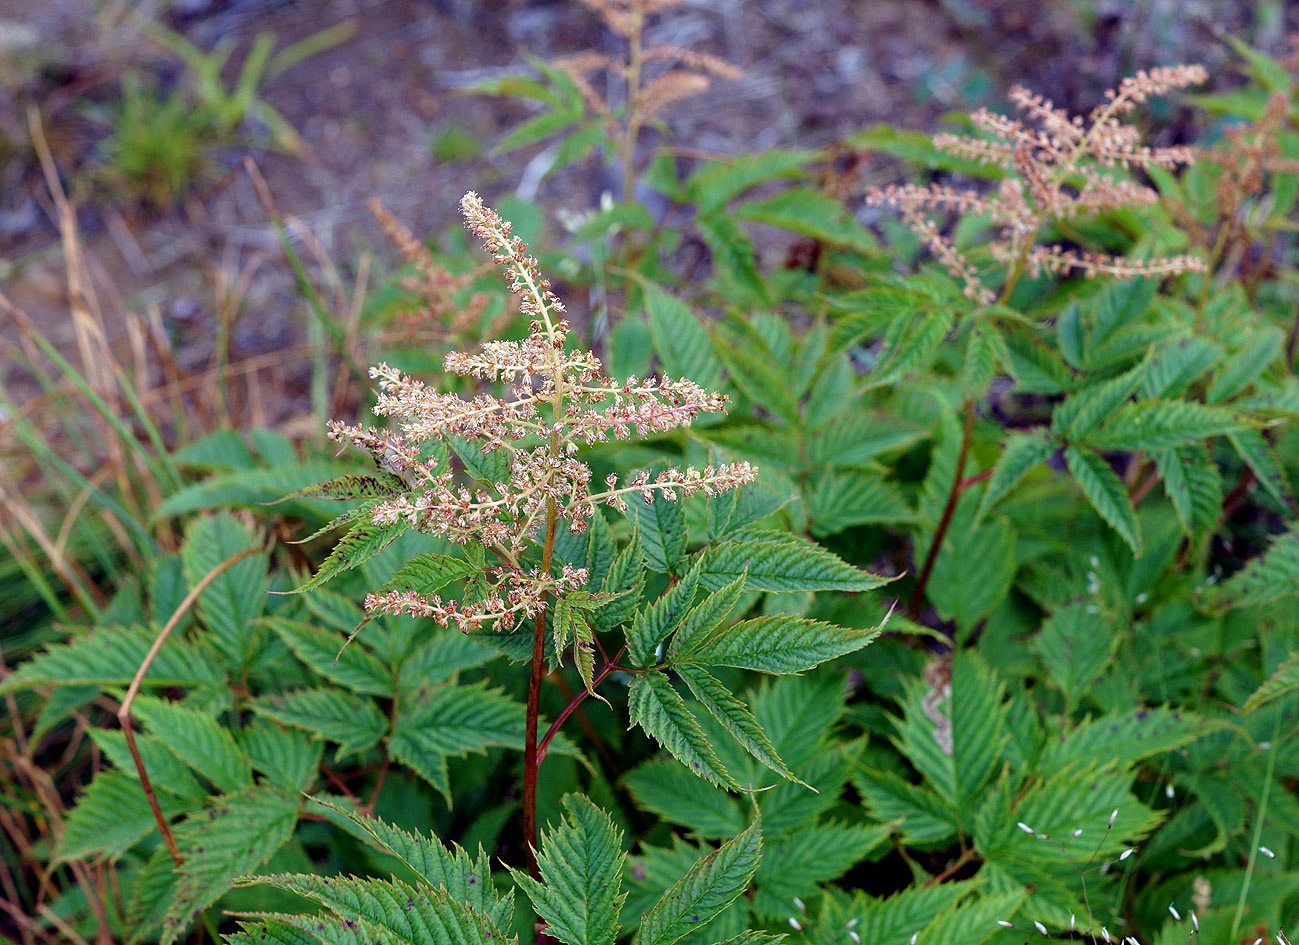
[554, 399]
[1061, 166]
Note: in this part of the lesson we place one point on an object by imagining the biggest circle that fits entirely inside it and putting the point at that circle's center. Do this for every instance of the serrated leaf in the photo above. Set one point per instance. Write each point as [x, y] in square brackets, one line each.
[439, 657]
[198, 740]
[894, 919]
[712, 884]
[339, 716]
[921, 817]
[735, 261]
[839, 499]
[698, 623]
[151, 891]
[111, 816]
[490, 467]
[1035, 366]
[1083, 409]
[579, 895]
[973, 921]
[812, 213]
[362, 542]
[979, 364]
[286, 757]
[166, 771]
[736, 718]
[663, 787]
[229, 604]
[657, 708]
[779, 644]
[419, 916]
[1153, 425]
[715, 183]
[463, 877]
[1240, 368]
[626, 580]
[778, 561]
[1021, 453]
[680, 339]
[111, 656]
[1272, 576]
[1075, 646]
[239, 833]
[1104, 490]
[857, 437]
[426, 573]
[661, 527]
[355, 486]
[1284, 679]
[325, 652]
[754, 368]
[1123, 738]
[1175, 365]
[1193, 486]
[653, 623]
[793, 866]
[450, 722]
[1120, 304]
[731, 511]
[1261, 458]
[953, 734]
[248, 488]
[909, 343]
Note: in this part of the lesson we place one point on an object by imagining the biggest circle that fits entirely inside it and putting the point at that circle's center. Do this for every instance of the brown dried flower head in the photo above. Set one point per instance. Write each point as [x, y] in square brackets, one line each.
[1061, 166]
[554, 399]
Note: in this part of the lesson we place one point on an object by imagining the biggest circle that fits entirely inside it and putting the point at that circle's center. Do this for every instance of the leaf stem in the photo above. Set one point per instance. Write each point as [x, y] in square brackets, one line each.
[531, 758]
[609, 667]
[918, 596]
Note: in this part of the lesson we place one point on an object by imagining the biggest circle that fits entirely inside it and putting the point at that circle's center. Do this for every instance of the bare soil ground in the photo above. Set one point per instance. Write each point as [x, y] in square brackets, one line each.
[372, 110]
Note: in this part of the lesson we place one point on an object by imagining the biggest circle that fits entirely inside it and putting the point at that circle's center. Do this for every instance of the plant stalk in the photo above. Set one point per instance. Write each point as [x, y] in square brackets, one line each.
[918, 597]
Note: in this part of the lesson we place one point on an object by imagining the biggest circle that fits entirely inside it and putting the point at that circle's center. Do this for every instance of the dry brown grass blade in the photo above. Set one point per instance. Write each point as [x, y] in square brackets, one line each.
[124, 713]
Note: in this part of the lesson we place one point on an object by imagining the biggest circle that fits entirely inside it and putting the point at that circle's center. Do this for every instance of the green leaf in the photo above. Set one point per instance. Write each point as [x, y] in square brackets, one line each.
[661, 527]
[439, 657]
[538, 128]
[1175, 365]
[954, 734]
[663, 787]
[1261, 458]
[698, 624]
[1239, 369]
[736, 717]
[451, 721]
[1104, 490]
[166, 771]
[841, 499]
[812, 213]
[735, 260]
[1033, 364]
[894, 919]
[229, 604]
[249, 488]
[779, 644]
[111, 656]
[973, 921]
[463, 877]
[657, 708]
[778, 561]
[715, 183]
[362, 542]
[974, 570]
[909, 343]
[922, 818]
[1272, 576]
[580, 893]
[426, 573]
[111, 816]
[754, 368]
[287, 757]
[1153, 425]
[329, 654]
[355, 486]
[1021, 453]
[729, 512]
[198, 740]
[339, 716]
[1123, 738]
[712, 884]
[380, 910]
[1284, 679]
[979, 364]
[793, 866]
[1075, 646]
[680, 339]
[856, 438]
[1120, 304]
[1082, 410]
[652, 624]
[625, 579]
[490, 467]
[238, 834]
[1192, 484]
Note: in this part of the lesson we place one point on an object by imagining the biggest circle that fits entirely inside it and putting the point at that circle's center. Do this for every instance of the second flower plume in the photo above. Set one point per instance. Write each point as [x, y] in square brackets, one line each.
[552, 398]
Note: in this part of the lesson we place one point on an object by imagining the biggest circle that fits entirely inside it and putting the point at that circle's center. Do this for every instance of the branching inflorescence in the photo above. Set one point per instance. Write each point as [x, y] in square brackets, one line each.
[555, 399]
[1060, 167]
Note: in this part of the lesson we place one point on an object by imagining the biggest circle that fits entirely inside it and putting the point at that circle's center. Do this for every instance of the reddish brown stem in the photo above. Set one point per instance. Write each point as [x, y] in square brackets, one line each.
[531, 759]
[609, 667]
[918, 597]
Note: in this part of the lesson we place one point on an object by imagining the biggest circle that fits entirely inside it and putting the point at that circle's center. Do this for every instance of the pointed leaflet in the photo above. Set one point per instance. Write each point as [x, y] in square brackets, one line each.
[1084, 409]
[198, 740]
[581, 862]
[329, 655]
[794, 866]
[424, 915]
[1283, 680]
[1270, 577]
[736, 717]
[909, 343]
[1239, 369]
[355, 723]
[661, 527]
[778, 561]
[381, 485]
[663, 787]
[1154, 424]
[426, 573]
[973, 921]
[1104, 490]
[953, 732]
[111, 656]
[1123, 738]
[657, 708]
[838, 499]
[894, 919]
[111, 816]
[1176, 364]
[625, 579]
[921, 817]
[465, 879]
[779, 644]
[571, 624]
[754, 368]
[166, 771]
[680, 340]
[286, 757]
[697, 625]
[1261, 458]
[1193, 486]
[239, 833]
[236, 596]
[653, 623]
[362, 542]
[1075, 645]
[712, 884]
